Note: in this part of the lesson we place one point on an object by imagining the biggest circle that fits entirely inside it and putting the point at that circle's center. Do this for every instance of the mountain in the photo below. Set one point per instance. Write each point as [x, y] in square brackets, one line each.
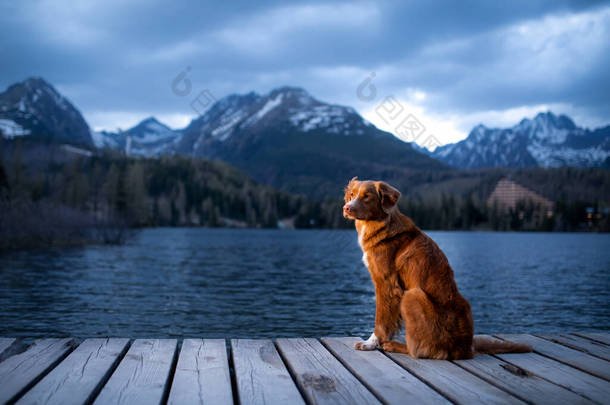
[237, 116]
[285, 138]
[35, 109]
[150, 138]
[547, 140]
[109, 140]
[295, 142]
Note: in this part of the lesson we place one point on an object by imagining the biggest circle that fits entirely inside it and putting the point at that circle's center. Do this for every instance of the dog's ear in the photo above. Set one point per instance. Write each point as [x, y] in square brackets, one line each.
[352, 181]
[388, 195]
[347, 188]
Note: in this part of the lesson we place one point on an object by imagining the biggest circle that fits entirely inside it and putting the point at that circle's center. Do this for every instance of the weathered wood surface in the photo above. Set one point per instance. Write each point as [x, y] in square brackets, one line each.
[573, 379]
[202, 374]
[19, 372]
[520, 382]
[80, 376]
[8, 347]
[563, 369]
[454, 382]
[598, 337]
[143, 374]
[591, 347]
[564, 354]
[260, 374]
[321, 376]
[390, 382]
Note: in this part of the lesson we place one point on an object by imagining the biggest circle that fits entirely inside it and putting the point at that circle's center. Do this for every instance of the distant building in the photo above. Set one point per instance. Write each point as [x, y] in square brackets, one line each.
[507, 194]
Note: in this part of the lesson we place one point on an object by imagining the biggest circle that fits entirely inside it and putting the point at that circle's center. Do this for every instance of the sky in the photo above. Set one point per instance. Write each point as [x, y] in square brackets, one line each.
[449, 64]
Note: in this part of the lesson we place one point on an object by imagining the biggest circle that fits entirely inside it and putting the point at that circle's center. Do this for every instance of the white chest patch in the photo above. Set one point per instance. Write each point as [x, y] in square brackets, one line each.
[365, 260]
[361, 235]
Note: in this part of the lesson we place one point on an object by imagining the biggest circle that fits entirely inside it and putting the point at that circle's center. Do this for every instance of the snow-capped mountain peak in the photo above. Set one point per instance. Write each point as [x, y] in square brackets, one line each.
[479, 132]
[296, 96]
[290, 109]
[150, 137]
[41, 111]
[153, 125]
[547, 140]
[150, 130]
[546, 127]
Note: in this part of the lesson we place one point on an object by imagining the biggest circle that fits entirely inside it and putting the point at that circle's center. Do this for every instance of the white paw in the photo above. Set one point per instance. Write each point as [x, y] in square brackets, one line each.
[371, 343]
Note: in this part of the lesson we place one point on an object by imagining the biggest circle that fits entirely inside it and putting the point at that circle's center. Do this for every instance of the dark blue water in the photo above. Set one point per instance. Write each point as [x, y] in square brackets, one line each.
[259, 283]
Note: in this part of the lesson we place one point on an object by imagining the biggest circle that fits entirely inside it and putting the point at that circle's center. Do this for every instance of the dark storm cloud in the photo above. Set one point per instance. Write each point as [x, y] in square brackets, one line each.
[116, 60]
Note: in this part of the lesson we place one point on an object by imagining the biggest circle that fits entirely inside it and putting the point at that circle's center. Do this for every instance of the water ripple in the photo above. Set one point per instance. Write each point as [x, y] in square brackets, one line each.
[264, 283]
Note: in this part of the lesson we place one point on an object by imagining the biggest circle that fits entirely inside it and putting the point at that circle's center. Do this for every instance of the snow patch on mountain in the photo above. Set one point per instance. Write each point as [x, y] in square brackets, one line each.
[333, 119]
[105, 139]
[221, 120]
[10, 129]
[227, 123]
[270, 105]
[568, 156]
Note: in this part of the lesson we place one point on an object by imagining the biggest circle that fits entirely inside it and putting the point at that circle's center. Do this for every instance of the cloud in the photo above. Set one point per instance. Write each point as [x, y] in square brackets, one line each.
[453, 64]
[535, 61]
[499, 77]
[274, 29]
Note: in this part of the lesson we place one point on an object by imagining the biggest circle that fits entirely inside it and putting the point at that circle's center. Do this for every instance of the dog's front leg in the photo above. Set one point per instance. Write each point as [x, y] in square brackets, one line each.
[387, 319]
[370, 344]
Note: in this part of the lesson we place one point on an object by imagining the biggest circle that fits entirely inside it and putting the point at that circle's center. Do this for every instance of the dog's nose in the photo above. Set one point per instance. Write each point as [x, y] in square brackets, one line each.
[347, 209]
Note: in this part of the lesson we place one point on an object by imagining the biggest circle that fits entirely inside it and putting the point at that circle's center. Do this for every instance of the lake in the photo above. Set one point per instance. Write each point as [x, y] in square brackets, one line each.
[187, 282]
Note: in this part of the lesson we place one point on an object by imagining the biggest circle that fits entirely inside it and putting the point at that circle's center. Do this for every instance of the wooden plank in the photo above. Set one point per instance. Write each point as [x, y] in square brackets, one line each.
[19, 372]
[526, 386]
[80, 376]
[584, 384]
[142, 376]
[8, 347]
[454, 382]
[390, 382]
[202, 374]
[5, 343]
[260, 374]
[563, 354]
[598, 337]
[579, 343]
[321, 377]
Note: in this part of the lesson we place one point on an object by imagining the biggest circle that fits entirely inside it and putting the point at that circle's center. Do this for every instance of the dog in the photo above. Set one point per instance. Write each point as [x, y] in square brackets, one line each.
[414, 282]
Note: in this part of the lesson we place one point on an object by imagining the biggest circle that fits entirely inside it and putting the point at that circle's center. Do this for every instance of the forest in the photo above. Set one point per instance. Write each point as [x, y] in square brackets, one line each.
[71, 199]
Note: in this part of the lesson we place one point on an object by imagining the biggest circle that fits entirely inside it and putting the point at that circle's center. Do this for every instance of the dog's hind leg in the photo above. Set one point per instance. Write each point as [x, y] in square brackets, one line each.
[395, 347]
[421, 326]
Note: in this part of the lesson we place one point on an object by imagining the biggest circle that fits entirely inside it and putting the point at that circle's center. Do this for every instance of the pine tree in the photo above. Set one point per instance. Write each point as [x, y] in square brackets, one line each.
[137, 201]
[270, 217]
[97, 183]
[115, 192]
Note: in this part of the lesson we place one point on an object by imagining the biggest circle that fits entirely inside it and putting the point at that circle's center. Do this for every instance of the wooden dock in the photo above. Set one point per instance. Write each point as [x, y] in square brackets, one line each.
[563, 369]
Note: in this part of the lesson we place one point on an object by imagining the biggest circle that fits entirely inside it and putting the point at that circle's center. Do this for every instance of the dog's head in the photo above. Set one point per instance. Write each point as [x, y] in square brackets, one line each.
[369, 200]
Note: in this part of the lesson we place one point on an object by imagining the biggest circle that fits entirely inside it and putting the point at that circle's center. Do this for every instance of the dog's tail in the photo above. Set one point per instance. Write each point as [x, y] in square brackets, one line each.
[484, 345]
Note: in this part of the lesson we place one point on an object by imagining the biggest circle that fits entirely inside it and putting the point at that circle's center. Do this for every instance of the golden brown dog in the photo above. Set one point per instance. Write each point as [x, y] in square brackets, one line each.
[413, 282]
